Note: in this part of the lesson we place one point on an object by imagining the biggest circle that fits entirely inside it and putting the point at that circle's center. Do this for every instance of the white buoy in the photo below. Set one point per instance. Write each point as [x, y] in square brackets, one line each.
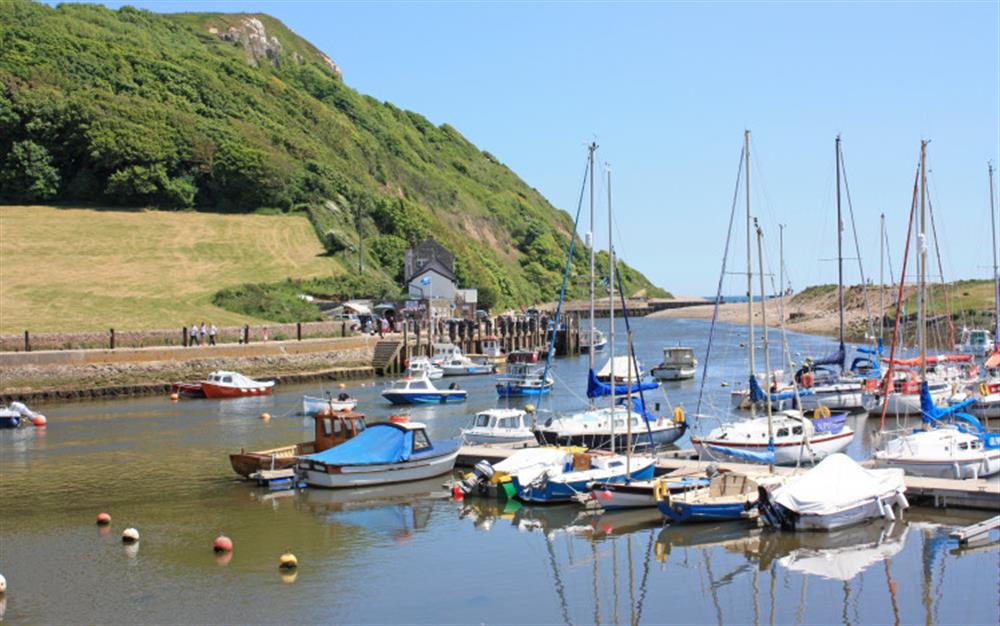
[130, 535]
[3, 584]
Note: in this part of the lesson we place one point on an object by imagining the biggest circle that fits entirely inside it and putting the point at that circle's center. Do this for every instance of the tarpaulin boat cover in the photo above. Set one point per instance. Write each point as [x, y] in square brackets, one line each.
[836, 484]
[597, 389]
[377, 444]
[747, 455]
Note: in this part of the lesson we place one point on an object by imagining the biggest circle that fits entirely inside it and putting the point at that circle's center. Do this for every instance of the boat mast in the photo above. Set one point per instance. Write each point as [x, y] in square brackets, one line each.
[840, 254]
[593, 149]
[611, 313]
[767, 352]
[922, 264]
[750, 337]
[881, 281]
[996, 276]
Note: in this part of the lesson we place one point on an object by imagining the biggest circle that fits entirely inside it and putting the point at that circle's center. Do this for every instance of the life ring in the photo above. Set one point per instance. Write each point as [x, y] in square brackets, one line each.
[984, 389]
[808, 380]
[823, 411]
[678, 415]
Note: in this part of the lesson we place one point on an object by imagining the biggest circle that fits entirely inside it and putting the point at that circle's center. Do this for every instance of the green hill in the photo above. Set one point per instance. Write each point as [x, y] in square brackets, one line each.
[236, 113]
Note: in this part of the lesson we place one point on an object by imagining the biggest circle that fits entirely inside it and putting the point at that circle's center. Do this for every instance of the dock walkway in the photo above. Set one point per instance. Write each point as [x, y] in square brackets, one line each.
[937, 492]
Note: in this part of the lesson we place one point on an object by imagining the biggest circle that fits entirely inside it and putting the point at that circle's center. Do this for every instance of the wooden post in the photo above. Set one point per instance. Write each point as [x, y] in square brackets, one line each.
[343, 329]
[406, 341]
[184, 336]
[27, 342]
[111, 334]
[298, 330]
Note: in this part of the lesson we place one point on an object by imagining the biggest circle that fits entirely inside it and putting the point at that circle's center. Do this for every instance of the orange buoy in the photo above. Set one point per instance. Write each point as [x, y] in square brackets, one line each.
[399, 419]
[341, 386]
[175, 397]
[39, 421]
[130, 535]
[457, 493]
[606, 494]
[288, 561]
[223, 544]
[103, 519]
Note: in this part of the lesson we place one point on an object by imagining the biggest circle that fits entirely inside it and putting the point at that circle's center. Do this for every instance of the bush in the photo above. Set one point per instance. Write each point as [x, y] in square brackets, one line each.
[28, 174]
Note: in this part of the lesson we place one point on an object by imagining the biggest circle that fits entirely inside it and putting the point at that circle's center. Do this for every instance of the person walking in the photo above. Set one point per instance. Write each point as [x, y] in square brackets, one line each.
[202, 332]
[212, 332]
[193, 338]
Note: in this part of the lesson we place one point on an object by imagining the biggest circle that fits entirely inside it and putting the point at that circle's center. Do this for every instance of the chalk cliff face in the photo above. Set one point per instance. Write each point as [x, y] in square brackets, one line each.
[236, 113]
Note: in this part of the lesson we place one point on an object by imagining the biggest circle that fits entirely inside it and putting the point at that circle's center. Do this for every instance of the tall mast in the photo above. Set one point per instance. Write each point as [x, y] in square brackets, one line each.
[593, 149]
[996, 275]
[750, 337]
[840, 252]
[922, 264]
[611, 313]
[881, 280]
[767, 351]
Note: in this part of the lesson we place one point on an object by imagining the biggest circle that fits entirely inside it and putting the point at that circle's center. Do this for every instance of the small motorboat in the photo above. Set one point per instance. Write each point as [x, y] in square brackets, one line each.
[420, 366]
[314, 405]
[387, 452]
[330, 430]
[564, 482]
[16, 414]
[678, 364]
[639, 493]
[975, 341]
[422, 391]
[487, 479]
[441, 352]
[188, 390]
[729, 496]
[499, 426]
[223, 384]
[594, 340]
[461, 365]
[525, 376]
[836, 493]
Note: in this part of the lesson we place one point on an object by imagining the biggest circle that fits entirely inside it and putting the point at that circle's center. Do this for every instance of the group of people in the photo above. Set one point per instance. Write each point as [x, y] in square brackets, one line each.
[198, 335]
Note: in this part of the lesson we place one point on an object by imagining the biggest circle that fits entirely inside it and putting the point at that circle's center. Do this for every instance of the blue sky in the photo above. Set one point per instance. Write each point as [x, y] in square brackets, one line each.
[667, 89]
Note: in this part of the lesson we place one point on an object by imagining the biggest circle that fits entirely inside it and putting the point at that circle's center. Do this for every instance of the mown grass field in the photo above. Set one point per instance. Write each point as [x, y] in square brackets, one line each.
[92, 269]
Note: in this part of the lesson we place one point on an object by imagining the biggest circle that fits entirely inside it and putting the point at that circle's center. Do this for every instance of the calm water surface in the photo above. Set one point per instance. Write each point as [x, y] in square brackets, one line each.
[408, 554]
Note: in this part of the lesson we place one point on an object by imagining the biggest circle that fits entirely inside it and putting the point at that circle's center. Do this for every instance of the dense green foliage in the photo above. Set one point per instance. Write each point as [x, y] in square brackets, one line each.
[133, 108]
[283, 302]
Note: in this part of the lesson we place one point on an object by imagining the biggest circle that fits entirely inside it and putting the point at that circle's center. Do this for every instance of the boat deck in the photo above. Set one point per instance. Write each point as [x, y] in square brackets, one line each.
[938, 492]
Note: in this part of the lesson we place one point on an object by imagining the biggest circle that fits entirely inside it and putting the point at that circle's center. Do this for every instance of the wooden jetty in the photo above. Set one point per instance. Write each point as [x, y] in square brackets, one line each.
[936, 492]
[975, 531]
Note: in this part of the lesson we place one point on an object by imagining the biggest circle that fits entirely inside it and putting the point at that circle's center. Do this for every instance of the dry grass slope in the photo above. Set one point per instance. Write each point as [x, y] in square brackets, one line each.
[86, 269]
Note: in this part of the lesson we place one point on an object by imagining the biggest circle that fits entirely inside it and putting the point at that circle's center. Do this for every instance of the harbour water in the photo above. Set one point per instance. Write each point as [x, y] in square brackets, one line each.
[408, 553]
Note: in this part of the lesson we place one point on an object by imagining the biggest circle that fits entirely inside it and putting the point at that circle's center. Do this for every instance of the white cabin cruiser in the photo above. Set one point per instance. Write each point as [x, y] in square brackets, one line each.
[421, 366]
[809, 436]
[499, 426]
[678, 364]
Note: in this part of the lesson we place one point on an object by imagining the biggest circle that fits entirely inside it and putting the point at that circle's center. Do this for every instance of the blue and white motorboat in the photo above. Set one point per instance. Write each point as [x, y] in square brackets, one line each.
[576, 475]
[461, 365]
[387, 452]
[525, 375]
[422, 391]
[16, 414]
[595, 341]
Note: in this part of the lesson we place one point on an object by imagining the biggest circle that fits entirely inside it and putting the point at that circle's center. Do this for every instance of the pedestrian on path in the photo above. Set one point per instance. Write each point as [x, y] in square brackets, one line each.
[202, 333]
[212, 331]
[193, 338]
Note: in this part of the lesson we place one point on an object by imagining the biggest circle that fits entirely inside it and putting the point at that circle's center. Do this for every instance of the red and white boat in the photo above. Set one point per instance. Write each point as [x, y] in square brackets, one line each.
[223, 384]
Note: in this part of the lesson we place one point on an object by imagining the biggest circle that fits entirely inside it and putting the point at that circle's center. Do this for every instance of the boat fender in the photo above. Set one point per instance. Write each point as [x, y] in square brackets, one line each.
[887, 509]
[457, 493]
[265, 416]
[823, 411]
[175, 397]
[679, 415]
[287, 561]
[984, 389]
[808, 379]
[660, 490]
[39, 421]
[661, 552]
[901, 501]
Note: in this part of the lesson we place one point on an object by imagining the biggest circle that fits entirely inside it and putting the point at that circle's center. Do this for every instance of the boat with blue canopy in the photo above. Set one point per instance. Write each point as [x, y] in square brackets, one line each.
[387, 452]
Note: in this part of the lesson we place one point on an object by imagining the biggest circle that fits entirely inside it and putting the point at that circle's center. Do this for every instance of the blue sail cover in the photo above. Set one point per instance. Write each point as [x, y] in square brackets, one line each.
[377, 444]
[746, 455]
[837, 358]
[933, 414]
[597, 389]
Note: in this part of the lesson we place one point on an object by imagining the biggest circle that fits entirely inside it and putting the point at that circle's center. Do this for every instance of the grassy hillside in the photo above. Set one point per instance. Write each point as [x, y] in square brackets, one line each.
[234, 113]
[85, 269]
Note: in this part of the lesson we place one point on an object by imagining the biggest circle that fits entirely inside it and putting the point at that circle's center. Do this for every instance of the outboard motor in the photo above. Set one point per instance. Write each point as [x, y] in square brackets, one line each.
[481, 474]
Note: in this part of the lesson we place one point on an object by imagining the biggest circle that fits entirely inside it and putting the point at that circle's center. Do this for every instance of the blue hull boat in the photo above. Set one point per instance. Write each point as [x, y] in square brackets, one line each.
[424, 398]
[516, 391]
[564, 488]
[10, 422]
[682, 512]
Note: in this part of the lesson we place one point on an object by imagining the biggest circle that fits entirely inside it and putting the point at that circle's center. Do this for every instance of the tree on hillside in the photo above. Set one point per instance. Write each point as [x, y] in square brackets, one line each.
[27, 174]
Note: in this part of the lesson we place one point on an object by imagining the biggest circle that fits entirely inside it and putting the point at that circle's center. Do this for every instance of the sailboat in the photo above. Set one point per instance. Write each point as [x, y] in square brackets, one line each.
[952, 444]
[820, 386]
[791, 435]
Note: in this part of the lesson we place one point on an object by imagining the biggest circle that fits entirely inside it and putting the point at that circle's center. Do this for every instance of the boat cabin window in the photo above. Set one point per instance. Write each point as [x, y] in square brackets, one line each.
[508, 422]
[418, 384]
[227, 379]
[482, 420]
[338, 426]
[963, 446]
[975, 445]
[797, 430]
[782, 432]
[359, 425]
[327, 427]
[420, 441]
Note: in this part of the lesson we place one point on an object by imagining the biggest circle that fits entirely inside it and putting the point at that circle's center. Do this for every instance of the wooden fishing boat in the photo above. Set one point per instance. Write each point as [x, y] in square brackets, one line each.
[330, 430]
[224, 384]
[729, 496]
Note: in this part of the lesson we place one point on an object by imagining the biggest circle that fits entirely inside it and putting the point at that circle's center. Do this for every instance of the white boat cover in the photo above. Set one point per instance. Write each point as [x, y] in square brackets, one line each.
[837, 483]
[621, 364]
[527, 464]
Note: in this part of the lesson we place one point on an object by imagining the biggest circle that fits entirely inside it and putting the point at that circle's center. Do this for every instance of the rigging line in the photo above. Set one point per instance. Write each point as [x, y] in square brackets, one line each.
[635, 363]
[857, 246]
[569, 264]
[718, 291]
[944, 287]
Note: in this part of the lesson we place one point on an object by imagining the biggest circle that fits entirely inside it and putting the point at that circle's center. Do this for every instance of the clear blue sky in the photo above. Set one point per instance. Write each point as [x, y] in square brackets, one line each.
[667, 89]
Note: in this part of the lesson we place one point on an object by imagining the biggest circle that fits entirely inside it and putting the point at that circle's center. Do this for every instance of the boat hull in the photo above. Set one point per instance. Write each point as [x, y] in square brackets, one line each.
[469, 370]
[784, 454]
[347, 476]
[673, 373]
[858, 514]
[513, 390]
[602, 440]
[487, 439]
[837, 398]
[683, 512]
[10, 422]
[214, 391]
[188, 390]
[985, 464]
[246, 463]
[435, 397]
[566, 491]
